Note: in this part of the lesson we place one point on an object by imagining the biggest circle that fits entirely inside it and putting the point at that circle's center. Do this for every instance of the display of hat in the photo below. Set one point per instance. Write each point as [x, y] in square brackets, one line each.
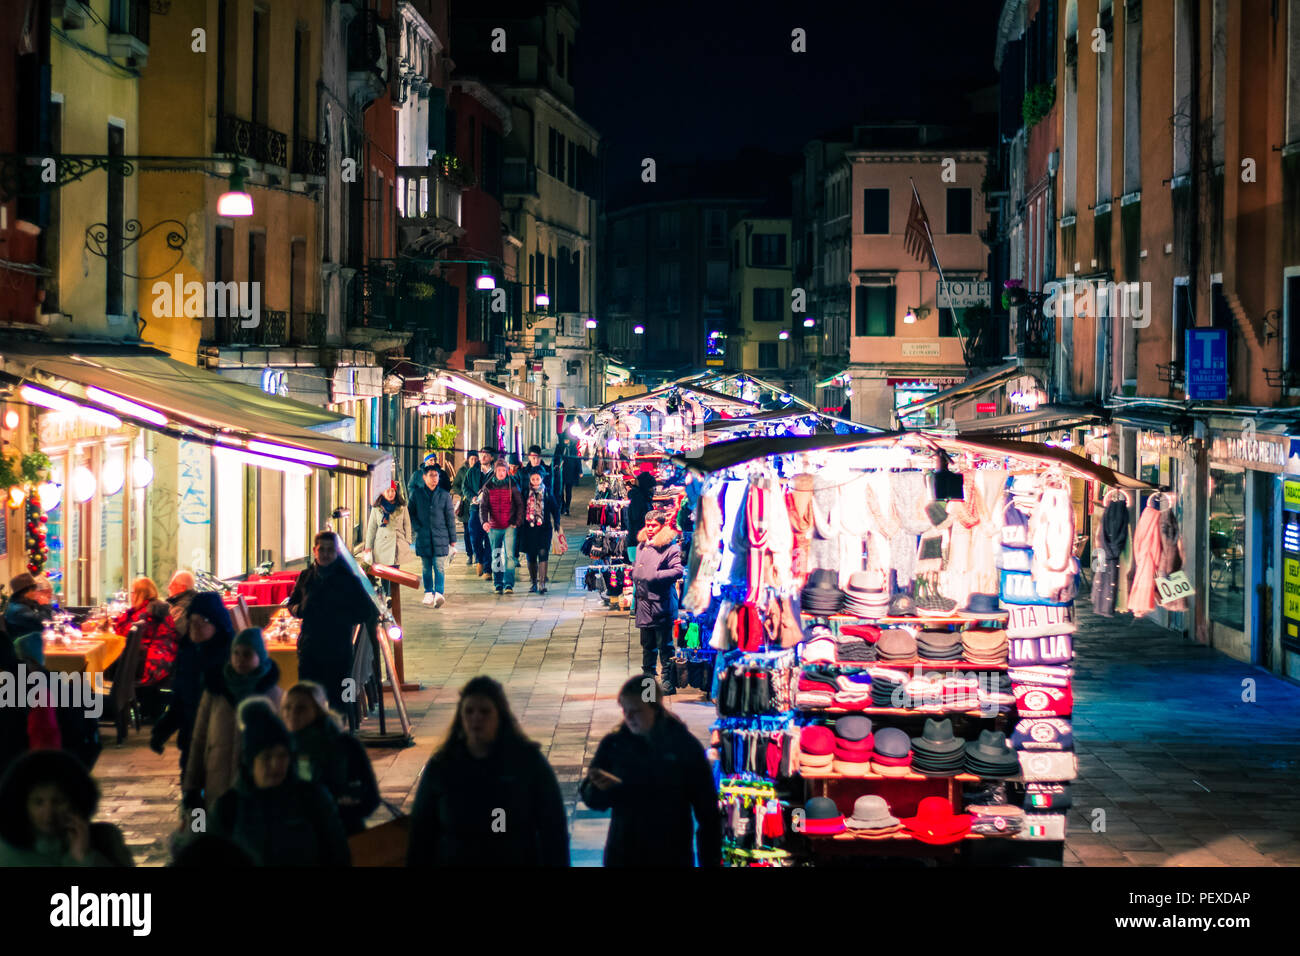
[867, 632]
[854, 727]
[819, 650]
[854, 650]
[871, 812]
[936, 823]
[816, 763]
[896, 646]
[850, 767]
[884, 684]
[937, 739]
[939, 646]
[990, 756]
[892, 742]
[983, 607]
[821, 816]
[816, 739]
[902, 606]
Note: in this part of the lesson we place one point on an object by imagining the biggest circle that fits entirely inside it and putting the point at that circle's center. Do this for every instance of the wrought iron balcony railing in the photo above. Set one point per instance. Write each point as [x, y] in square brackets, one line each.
[309, 328]
[272, 330]
[235, 135]
[308, 157]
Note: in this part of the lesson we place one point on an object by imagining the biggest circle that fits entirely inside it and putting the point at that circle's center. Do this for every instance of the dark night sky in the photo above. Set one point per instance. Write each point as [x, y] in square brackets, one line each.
[684, 79]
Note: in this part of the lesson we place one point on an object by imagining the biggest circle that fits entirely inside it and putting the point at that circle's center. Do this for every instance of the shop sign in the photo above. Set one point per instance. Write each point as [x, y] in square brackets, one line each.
[1260, 452]
[942, 380]
[1155, 441]
[961, 294]
[1207, 364]
[57, 428]
[1291, 589]
[985, 408]
[920, 350]
[1291, 495]
[275, 381]
[1173, 588]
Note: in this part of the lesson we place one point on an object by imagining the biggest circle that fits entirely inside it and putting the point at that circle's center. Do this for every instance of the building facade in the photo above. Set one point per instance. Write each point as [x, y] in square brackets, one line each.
[761, 280]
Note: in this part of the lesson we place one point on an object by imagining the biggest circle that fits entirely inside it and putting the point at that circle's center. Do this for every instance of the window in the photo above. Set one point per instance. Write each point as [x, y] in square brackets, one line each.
[670, 278]
[716, 277]
[257, 261]
[875, 310]
[1291, 328]
[1218, 72]
[557, 155]
[298, 278]
[1105, 71]
[1069, 199]
[1182, 118]
[49, 238]
[1182, 315]
[1293, 71]
[551, 285]
[560, 63]
[666, 228]
[622, 280]
[573, 165]
[493, 158]
[113, 262]
[261, 66]
[767, 249]
[875, 212]
[1132, 98]
[715, 228]
[959, 212]
[768, 305]
[767, 355]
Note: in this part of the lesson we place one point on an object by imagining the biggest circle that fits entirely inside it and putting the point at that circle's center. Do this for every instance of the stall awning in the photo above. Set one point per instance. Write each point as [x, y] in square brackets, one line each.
[971, 386]
[1076, 415]
[473, 388]
[728, 454]
[782, 415]
[710, 397]
[198, 405]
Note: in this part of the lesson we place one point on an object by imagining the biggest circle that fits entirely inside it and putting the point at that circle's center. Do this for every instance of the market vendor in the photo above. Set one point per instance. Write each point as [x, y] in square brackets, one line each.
[331, 602]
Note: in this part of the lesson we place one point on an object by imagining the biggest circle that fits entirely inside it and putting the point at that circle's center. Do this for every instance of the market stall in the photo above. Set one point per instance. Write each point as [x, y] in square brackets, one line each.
[892, 618]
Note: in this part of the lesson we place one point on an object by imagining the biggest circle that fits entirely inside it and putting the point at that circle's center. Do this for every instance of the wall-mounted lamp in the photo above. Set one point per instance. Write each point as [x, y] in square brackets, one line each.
[914, 313]
[1272, 325]
[235, 202]
[783, 335]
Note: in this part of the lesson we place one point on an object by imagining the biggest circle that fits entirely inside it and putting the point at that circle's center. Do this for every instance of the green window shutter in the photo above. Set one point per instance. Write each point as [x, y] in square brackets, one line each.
[438, 120]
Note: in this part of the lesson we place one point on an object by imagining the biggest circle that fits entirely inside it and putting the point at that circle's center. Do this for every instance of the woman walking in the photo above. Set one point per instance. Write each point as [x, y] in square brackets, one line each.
[329, 756]
[388, 530]
[655, 573]
[541, 522]
[487, 796]
[654, 775]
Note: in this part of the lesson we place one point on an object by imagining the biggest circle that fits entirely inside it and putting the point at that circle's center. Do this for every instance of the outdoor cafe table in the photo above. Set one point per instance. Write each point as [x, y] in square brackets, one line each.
[91, 654]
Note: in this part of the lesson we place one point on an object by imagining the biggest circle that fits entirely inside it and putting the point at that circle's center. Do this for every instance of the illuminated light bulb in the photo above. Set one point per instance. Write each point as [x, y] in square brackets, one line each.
[16, 496]
[11, 420]
[141, 473]
[51, 495]
[113, 476]
[83, 484]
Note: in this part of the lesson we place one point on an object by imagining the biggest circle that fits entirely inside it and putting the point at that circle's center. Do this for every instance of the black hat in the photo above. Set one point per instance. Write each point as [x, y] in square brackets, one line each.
[260, 729]
[937, 739]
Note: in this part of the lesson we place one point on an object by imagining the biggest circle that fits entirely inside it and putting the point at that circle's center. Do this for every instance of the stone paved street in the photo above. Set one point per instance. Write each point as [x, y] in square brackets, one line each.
[1186, 773]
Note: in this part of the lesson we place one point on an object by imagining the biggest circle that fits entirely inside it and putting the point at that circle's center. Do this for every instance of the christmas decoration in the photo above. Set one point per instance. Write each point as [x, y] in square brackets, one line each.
[38, 551]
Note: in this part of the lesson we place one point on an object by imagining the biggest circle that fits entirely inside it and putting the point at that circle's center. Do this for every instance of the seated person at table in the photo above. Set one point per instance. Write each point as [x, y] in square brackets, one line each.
[327, 755]
[205, 647]
[47, 800]
[331, 601]
[29, 605]
[214, 750]
[50, 727]
[278, 819]
[157, 641]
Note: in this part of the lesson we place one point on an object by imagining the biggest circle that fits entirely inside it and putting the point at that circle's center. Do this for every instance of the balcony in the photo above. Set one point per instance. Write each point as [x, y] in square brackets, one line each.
[272, 331]
[392, 299]
[1034, 334]
[428, 204]
[367, 58]
[128, 31]
[308, 157]
[235, 135]
[308, 328]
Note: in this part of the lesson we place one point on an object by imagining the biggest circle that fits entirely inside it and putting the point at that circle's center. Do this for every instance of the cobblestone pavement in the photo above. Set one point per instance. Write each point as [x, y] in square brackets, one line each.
[1185, 771]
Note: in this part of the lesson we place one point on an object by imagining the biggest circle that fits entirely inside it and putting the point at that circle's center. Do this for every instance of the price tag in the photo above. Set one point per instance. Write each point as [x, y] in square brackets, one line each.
[1173, 588]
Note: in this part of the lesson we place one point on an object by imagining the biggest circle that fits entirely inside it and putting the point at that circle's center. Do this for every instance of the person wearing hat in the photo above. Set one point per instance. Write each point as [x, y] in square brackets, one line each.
[654, 775]
[204, 647]
[29, 605]
[433, 520]
[276, 818]
[331, 602]
[388, 528]
[462, 502]
[214, 758]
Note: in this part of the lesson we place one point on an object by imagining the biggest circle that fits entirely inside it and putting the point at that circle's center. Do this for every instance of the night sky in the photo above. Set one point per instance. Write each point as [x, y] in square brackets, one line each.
[685, 79]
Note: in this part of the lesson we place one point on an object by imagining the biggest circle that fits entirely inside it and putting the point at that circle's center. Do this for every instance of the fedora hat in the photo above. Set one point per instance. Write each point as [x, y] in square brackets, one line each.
[937, 739]
[935, 822]
[822, 816]
[823, 579]
[871, 812]
[863, 582]
[983, 607]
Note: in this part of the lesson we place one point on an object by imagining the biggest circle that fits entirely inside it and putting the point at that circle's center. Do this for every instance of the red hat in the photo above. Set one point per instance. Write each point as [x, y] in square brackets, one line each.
[892, 761]
[868, 632]
[854, 748]
[936, 823]
[816, 739]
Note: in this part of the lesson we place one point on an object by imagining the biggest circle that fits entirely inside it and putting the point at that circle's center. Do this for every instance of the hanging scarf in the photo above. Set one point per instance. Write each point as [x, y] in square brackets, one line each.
[388, 507]
[535, 513]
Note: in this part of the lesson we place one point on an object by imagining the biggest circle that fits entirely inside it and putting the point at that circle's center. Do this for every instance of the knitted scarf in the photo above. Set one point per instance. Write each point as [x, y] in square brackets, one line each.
[389, 507]
[535, 513]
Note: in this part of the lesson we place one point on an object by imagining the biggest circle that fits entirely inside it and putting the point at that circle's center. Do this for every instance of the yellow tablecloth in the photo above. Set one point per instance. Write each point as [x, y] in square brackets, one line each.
[90, 657]
[286, 658]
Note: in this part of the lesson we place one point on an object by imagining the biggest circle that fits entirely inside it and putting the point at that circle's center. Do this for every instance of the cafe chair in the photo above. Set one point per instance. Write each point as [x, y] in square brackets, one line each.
[239, 615]
[120, 704]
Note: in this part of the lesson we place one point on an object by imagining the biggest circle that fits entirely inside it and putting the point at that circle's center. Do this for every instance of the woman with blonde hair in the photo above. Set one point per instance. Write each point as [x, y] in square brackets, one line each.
[158, 638]
[327, 755]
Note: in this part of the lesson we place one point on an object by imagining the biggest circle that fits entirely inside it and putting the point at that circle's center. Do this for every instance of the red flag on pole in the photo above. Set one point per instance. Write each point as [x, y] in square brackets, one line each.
[917, 239]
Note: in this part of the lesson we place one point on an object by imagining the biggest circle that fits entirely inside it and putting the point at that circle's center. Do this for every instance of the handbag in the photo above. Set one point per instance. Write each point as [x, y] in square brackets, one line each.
[561, 544]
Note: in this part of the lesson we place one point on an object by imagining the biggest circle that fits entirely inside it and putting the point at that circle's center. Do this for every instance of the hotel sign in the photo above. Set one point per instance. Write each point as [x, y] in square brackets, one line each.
[961, 294]
[1259, 452]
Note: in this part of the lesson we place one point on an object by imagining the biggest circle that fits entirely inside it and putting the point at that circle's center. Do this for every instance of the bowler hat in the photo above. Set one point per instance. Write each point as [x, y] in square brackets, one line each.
[892, 742]
[816, 739]
[853, 727]
[822, 816]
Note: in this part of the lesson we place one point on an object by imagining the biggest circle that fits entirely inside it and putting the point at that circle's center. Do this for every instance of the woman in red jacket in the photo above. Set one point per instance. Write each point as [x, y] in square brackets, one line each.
[158, 637]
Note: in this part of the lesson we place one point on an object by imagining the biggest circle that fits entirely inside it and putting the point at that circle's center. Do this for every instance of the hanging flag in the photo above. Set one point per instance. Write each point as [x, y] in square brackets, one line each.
[917, 239]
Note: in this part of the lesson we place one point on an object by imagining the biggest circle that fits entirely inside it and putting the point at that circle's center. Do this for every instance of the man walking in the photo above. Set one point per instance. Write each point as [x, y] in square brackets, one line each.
[433, 526]
[502, 511]
[474, 481]
[462, 510]
[331, 601]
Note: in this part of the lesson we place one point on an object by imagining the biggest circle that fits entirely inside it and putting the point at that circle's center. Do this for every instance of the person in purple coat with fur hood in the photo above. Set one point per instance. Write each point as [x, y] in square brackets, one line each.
[655, 573]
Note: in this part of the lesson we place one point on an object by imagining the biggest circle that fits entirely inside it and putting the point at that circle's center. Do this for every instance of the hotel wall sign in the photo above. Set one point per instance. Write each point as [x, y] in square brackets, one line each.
[1260, 452]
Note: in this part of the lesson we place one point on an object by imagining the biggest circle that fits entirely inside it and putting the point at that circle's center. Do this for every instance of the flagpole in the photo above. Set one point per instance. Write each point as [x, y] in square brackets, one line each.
[934, 254]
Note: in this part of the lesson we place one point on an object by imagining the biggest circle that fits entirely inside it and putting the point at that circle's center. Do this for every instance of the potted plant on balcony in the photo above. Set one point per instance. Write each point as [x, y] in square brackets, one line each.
[1014, 293]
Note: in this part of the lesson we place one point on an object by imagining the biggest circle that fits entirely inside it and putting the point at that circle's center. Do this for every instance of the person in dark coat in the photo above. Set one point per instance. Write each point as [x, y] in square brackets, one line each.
[53, 724]
[29, 605]
[472, 485]
[204, 647]
[502, 511]
[640, 502]
[655, 573]
[331, 601]
[13, 720]
[273, 816]
[180, 593]
[653, 774]
[462, 509]
[327, 755]
[567, 463]
[541, 523]
[487, 796]
[433, 529]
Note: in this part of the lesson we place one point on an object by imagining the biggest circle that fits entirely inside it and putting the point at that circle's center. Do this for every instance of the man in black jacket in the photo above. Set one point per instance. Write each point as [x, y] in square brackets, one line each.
[331, 601]
[433, 529]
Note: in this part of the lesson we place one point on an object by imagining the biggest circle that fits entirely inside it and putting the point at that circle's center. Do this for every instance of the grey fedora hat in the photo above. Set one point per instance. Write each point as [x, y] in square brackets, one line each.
[937, 738]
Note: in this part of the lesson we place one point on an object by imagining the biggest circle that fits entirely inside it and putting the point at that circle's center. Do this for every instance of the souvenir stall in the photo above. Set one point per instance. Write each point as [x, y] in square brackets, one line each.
[892, 618]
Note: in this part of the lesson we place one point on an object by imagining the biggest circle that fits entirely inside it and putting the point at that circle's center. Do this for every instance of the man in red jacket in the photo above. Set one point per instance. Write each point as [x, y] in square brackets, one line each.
[502, 511]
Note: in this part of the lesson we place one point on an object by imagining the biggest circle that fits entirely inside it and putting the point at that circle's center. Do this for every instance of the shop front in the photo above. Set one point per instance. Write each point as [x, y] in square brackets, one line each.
[1288, 644]
[1244, 502]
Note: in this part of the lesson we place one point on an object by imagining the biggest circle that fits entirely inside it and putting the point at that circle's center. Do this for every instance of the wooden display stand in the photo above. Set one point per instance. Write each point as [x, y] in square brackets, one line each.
[400, 578]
